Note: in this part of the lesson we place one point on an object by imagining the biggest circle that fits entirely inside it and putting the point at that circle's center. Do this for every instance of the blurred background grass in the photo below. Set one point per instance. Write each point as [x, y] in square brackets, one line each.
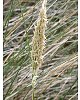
[58, 75]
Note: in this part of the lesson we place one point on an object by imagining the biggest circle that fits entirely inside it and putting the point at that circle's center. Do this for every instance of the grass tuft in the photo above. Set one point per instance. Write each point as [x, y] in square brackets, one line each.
[57, 73]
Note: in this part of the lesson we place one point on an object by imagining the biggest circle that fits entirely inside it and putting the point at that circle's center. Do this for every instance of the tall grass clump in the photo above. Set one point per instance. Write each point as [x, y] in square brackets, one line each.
[38, 44]
[49, 70]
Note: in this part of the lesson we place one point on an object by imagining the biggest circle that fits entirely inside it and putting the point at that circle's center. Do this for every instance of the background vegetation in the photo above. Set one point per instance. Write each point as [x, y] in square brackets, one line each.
[58, 75]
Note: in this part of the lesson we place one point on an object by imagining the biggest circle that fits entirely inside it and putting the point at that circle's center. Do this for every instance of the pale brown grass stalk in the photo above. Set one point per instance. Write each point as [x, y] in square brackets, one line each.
[38, 44]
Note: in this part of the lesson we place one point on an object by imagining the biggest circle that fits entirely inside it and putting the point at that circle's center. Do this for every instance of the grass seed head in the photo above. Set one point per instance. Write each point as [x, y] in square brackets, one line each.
[38, 42]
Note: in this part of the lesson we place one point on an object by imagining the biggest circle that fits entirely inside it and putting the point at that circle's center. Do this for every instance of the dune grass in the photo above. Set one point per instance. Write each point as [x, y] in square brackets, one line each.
[57, 77]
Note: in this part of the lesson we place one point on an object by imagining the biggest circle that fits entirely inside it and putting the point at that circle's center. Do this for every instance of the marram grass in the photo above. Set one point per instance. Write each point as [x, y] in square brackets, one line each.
[38, 44]
[57, 75]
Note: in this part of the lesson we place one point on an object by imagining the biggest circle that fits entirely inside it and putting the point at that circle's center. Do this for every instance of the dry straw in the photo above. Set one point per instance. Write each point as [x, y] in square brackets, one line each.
[38, 44]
